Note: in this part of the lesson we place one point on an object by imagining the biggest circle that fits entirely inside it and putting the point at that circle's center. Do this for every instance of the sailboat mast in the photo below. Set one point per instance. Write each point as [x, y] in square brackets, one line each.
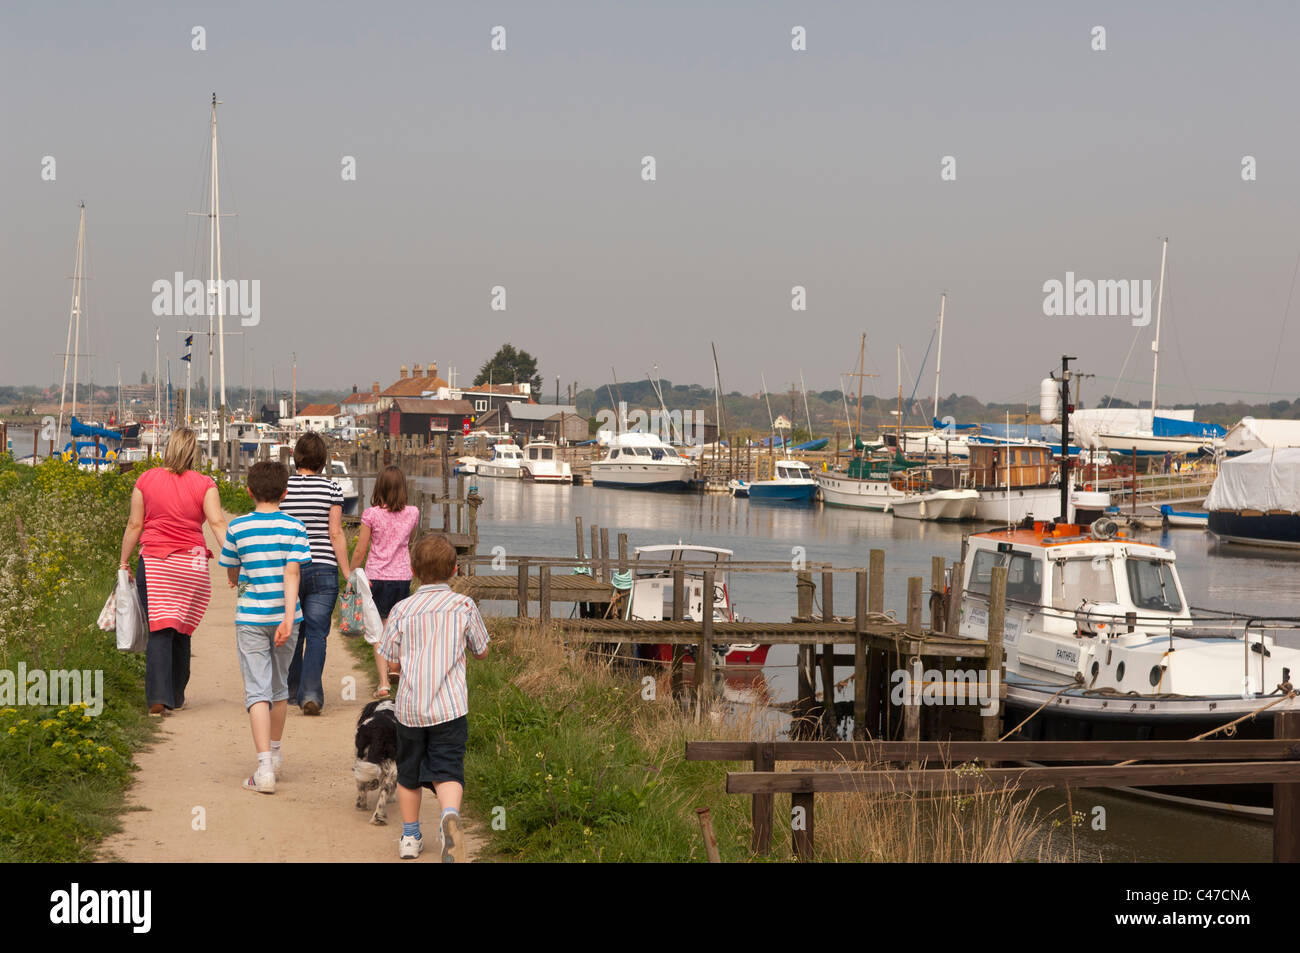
[898, 423]
[157, 395]
[806, 413]
[771, 424]
[74, 318]
[862, 357]
[938, 363]
[1155, 345]
[216, 224]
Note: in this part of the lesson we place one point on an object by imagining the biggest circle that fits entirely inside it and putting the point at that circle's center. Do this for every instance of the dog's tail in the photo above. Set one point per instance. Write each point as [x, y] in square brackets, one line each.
[365, 771]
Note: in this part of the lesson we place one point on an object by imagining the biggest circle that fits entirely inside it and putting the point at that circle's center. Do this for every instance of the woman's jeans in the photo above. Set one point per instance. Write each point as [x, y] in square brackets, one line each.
[318, 590]
[166, 657]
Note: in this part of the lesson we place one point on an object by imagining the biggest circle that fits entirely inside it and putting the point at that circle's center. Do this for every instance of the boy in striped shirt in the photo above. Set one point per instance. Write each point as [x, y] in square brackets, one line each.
[428, 633]
[263, 554]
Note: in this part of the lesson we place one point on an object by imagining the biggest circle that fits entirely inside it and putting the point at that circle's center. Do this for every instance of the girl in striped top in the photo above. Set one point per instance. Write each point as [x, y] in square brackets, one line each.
[317, 502]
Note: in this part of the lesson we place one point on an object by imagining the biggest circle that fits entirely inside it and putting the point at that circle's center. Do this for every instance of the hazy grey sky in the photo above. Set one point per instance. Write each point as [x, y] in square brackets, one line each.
[775, 168]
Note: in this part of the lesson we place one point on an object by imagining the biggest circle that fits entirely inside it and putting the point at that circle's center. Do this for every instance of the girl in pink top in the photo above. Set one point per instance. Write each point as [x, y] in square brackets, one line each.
[386, 529]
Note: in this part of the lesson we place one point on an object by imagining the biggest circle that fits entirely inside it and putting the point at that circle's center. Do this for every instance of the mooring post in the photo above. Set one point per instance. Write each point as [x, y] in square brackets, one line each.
[1286, 798]
[860, 655]
[760, 841]
[876, 600]
[704, 654]
[679, 613]
[544, 594]
[829, 726]
[604, 554]
[804, 703]
[955, 592]
[992, 726]
[937, 609]
[801, 824]
[595, 553]
[578, 523]
[622, 552]
[522, 595]
[914, 627]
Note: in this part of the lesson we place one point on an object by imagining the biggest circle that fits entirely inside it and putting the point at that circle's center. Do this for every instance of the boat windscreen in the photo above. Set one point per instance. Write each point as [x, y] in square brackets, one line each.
[1151, 585]
[1077, 580]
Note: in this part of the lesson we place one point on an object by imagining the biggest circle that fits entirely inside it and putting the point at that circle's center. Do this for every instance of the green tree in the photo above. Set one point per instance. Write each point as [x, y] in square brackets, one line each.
[509, 365]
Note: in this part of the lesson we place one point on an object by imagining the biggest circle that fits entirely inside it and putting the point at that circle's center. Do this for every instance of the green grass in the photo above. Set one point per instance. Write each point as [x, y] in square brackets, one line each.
[64, 773]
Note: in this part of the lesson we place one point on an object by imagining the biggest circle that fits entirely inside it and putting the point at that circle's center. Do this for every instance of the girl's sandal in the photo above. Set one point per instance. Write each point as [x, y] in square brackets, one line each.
[380, 692]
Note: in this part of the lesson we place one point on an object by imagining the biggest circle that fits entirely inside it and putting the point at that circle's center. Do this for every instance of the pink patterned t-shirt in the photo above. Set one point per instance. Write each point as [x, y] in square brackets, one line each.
[390, 534]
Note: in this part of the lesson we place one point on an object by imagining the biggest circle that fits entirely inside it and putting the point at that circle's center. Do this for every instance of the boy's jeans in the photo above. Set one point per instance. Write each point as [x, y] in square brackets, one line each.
[318, 590]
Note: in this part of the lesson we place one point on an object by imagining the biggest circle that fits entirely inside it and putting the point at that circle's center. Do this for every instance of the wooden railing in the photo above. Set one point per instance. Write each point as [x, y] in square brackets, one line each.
[1273, 761]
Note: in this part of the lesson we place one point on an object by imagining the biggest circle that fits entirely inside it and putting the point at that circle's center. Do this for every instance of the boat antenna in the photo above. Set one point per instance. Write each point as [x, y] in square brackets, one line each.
[1066, 409]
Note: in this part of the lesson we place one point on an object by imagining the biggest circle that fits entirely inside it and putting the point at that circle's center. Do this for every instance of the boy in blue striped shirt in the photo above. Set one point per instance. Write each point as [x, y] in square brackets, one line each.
[263, 554]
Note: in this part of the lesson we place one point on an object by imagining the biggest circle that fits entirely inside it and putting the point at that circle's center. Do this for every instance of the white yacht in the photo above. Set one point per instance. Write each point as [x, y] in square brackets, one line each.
[642, 461]
[507, 461]
[937, 505]
[542, 463]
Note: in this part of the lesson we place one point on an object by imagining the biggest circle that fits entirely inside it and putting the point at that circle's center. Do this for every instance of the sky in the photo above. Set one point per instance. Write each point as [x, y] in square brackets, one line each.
[523, 168]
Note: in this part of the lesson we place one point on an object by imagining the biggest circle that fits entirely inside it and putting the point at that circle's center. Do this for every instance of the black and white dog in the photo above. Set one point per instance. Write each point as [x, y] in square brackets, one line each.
[376, 766]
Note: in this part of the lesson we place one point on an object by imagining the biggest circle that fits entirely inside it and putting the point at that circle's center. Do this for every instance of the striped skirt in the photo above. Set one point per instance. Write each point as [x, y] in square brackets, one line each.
[179, 588]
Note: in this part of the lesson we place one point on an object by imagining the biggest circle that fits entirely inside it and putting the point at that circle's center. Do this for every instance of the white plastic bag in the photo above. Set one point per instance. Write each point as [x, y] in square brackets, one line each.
[132, 626]
[374, 626]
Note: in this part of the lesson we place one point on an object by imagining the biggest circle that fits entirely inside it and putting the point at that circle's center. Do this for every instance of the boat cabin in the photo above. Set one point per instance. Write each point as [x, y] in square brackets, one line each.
[652, 586]
[1017, 465]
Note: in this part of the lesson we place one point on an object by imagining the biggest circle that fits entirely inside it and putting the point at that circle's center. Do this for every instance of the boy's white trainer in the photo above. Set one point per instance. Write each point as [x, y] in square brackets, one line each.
[410, 846]
[262, 782]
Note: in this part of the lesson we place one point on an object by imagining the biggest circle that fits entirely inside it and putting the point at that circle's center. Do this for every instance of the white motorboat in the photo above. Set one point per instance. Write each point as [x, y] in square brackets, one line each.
[542, 463]
[1101, 644]
[642, 461]
[651, 597]
[338, 472]
[937, 505]
[507, 461]
[468, 465]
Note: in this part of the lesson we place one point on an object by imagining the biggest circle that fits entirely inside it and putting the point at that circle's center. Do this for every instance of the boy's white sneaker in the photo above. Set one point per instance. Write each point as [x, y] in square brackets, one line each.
[262, 782]
[409, 847]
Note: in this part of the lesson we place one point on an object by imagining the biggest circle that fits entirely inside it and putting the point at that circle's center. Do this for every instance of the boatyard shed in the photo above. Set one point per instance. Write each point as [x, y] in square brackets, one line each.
[414, 416]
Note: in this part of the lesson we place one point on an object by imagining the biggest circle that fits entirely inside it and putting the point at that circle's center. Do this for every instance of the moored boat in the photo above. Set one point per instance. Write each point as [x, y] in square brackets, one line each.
[507, 461]
[542, 463]
[937, 505]
[1255, 500]
[792, 482]
[1101, 643]
[642, 461]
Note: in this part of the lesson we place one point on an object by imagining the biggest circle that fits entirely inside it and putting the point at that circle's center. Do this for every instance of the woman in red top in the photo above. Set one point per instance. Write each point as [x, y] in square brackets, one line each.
[168, 508]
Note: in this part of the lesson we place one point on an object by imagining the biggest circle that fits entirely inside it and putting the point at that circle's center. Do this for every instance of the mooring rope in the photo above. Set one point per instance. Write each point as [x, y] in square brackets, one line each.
[1074, 684]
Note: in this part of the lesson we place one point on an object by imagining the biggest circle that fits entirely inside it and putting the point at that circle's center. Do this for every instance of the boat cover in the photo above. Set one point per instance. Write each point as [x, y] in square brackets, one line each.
[1172, 427]
[1260, 480]
[86, 430]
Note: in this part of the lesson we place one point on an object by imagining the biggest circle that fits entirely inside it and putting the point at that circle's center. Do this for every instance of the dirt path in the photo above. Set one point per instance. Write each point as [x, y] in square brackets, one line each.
[204, 752]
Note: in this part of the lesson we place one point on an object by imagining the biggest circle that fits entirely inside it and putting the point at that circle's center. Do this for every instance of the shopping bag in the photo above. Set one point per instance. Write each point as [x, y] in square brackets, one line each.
[351, 621]
[132, 625]
[108, 615]
[372, 625]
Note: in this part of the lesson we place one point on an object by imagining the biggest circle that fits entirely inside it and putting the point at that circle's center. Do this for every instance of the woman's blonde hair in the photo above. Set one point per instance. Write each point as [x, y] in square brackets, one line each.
[181, 450]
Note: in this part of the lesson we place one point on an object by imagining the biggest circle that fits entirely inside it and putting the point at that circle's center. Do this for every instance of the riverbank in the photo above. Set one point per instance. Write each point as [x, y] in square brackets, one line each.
[64, 768]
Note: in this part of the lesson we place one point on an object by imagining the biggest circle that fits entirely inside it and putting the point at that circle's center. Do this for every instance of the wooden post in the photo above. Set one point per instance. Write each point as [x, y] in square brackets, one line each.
[460, 505]
[704, 654]
[828, 661]
[804, 592]
[578, 523]
[1286, 798]
[445, 466]
[679, 612]
[710, 840]
[937, 619]
[622, 552]
[805, 703]
[993, 662]
[860, 656]
[604, 554]
[595, 552]
[876, 600]
[801, 822]
[544, 594]
[955, 592]
[914, 605]
[522, 596]
[760, 841]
